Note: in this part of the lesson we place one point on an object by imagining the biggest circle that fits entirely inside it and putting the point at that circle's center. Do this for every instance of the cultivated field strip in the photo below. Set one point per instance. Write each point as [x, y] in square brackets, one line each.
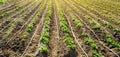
[60, 28]
[13, 18]
[11, 6]
[90, 29]
[23, 26]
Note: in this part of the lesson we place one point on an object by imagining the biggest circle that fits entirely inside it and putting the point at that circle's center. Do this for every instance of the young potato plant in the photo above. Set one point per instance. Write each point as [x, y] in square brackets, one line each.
[18, 6]
[97, 27]
[10, 29]
[92, 22]
[34, 21]
[79, 24]
[31, 25]
[109, 25]
[111, 41]
[96, 54]
[87, 17]
[105, 11]
[44, 49]
[94, 47]
[73, 17]
[24, 37]
[76, 21]
[47, 22]
[116, 29]
[66, 30]
[84, 34]
[113, 18]
[20, 21]
[92, 44]
[70, 42]
[63, 21]
[64, 24]
[45, 39]
[3, 14]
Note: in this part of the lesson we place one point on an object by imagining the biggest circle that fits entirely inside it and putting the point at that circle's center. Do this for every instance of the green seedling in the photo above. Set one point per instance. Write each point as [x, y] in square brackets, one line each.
[79, 25]
[84, 34]
[24, 37]
[97, 27]
[44, 40]
[44, 49]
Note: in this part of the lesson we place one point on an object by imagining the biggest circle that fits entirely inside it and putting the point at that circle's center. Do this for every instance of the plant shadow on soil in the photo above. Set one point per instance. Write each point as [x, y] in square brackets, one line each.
[4, 55]
[42, 55]
[71, 53]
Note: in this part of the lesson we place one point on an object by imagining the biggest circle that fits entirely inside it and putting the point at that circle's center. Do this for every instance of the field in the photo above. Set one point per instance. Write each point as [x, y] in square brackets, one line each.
[60, 28]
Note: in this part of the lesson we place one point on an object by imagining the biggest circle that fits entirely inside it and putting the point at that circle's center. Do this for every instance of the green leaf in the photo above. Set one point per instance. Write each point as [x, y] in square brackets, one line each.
[44, 49]
[44, 40]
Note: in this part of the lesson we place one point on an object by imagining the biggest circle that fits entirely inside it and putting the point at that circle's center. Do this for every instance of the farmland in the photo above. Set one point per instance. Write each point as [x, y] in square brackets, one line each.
[60, 28]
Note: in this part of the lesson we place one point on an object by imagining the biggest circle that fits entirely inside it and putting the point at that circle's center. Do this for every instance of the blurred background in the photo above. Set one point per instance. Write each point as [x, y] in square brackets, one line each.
[4, 3]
